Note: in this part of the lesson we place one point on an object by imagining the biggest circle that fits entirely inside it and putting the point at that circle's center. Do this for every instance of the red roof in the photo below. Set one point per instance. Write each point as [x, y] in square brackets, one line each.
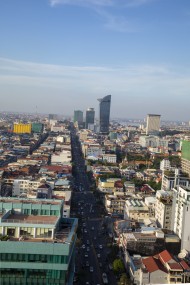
[184, 265]
[165, 256]
[118, 184]
[150, 264]
[57, 168]
[175, 266]
[153, 264]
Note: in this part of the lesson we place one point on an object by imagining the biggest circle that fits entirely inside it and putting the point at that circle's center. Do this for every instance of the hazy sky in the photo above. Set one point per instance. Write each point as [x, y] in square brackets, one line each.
[61, 55]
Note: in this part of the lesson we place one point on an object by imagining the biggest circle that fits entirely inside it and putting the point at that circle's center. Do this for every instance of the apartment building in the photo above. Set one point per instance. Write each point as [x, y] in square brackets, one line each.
[181, 215]
[163, 209]
[115, 204]
[171, 179]
[185, 156]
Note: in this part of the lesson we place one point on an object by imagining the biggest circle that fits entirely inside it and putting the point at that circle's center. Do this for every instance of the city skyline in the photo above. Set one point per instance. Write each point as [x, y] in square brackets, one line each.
[61, 55]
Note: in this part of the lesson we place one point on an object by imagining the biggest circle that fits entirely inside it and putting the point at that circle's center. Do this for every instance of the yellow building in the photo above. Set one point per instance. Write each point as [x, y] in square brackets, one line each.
[22, 128]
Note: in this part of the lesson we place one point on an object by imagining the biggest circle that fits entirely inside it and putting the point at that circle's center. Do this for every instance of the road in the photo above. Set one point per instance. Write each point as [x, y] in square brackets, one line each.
[92, 251]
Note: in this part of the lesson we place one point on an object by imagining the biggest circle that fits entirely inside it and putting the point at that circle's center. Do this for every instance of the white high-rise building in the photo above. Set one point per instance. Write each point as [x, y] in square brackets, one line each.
[181, 215]
[152, 124]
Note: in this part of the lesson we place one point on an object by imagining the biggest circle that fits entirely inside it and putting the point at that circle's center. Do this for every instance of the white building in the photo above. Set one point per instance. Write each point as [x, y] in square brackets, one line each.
[165, 164]
[172, 179]
[136, 209]
[152, 123]
[92, 149]
[24, 186]
[110, 158]
[62, 157]
[163, 209]
[154, 143]
[181, 215]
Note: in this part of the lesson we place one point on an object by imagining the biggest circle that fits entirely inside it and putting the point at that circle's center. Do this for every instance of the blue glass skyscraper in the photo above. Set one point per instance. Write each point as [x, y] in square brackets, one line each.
[104, 114]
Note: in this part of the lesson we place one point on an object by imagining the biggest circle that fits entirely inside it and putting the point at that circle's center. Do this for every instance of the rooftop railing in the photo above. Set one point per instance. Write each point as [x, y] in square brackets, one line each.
[27, 221]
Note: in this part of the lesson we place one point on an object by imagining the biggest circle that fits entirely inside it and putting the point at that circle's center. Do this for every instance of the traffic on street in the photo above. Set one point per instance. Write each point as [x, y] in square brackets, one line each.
[92, 253]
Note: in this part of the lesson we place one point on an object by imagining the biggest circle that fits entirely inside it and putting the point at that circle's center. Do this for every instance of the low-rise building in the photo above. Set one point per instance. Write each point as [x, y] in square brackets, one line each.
[136, 209]
[110, 158]
[162, 268]
[37, 244]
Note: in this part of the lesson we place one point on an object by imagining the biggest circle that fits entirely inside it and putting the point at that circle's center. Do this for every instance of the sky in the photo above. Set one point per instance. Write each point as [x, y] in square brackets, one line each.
[57, 56]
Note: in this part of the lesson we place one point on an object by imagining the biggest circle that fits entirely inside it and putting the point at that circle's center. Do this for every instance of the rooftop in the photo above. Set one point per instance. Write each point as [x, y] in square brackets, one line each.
[30, 201]
[30, 219]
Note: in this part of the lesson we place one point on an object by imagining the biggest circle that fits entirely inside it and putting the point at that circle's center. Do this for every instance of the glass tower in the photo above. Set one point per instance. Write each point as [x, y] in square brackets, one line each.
[90, 113]
[104, 114]
[78, 116]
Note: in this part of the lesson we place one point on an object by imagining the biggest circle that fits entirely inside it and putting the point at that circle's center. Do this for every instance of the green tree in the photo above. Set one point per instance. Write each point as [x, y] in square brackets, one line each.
[154, 184]
[138, 182]
[114, 252]
[118, 266]
[124, 280]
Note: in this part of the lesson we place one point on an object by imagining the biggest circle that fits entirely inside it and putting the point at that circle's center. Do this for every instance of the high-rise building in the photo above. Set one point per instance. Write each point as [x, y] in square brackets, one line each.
[181, 215]
[104, 114]
[22, 128]
[78, 116]
[52, 116]
[90, 114]
[37, 127]
[152, 124]
[185, 157]
[37, 244]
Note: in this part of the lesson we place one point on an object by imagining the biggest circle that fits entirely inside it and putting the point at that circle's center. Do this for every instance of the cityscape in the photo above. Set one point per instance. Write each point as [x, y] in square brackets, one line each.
[94, 142]
[89, 200]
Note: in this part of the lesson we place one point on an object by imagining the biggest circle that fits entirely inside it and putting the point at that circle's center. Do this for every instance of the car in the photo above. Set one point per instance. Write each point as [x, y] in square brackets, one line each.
[87, 264]
[98, 255]
[100, 264]
[100, 246]
[92, 228]
[87, 242]
[86, 255]
[110, 266]
[83, 246]
[105, 278]
[91, 269]
[88, 248]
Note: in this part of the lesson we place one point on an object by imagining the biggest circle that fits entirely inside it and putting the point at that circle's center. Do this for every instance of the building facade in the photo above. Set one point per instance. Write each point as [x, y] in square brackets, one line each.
[78, 116]
[37, 244]
[90, 114]
[163, 209]
[37, 127]
[185, 157]
[152, 124]
[104, 114]
[22, 128]
[181, 215]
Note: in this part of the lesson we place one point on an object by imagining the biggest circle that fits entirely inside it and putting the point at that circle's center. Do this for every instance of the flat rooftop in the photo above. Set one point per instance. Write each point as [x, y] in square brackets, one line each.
[30, 219]
[30, 201]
